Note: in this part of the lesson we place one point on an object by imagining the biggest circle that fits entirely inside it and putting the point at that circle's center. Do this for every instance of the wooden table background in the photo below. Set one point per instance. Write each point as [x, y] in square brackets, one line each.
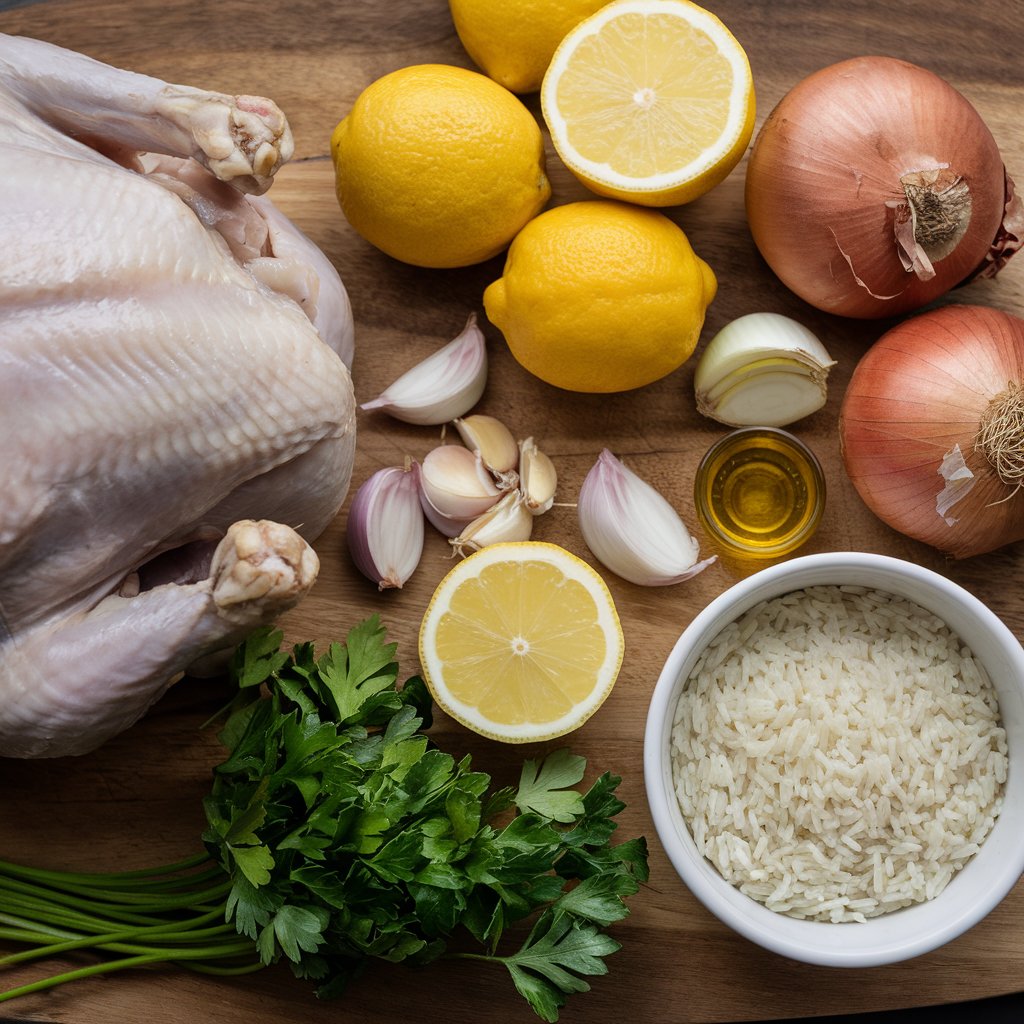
[137, 801]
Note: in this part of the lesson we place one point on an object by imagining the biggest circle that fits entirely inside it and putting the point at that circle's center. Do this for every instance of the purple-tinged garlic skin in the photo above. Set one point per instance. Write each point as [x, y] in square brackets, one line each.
[443, 387]
[385, 526]
[631, 528]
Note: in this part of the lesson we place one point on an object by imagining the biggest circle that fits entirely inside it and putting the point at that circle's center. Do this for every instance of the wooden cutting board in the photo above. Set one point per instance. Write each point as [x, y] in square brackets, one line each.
[137, 801]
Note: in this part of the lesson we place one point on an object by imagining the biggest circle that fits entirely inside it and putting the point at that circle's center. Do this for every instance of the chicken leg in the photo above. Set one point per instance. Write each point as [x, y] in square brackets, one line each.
[53, 703]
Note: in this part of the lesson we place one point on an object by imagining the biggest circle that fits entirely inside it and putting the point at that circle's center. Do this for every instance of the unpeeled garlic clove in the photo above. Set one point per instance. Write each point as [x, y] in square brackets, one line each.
[443, 386]
[537, 477]
[456, 483]
[762, 369]
[632, 529]
[450, 526]
[508, 520]
[493, 442]
[385, 526]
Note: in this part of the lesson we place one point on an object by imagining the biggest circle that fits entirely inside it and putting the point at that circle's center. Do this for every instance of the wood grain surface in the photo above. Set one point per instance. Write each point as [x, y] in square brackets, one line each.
[137, 801]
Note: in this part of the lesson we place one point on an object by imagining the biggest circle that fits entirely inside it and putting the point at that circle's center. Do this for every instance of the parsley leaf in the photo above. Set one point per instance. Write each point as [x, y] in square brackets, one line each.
[258, 658]
[543, 789]
[559, 948]
[294, 929]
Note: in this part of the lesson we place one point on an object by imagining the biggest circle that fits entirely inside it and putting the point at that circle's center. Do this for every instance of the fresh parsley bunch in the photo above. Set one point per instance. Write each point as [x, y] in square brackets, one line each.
[349, 836]
[338, 833]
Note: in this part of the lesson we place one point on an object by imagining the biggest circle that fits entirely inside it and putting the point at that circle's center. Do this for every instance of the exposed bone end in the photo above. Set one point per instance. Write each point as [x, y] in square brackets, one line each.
[261, 569]
[243, 140]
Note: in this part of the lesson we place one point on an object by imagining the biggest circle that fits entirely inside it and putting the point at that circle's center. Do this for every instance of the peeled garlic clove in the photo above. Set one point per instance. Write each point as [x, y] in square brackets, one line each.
[509, 520]
[773, 370]
[385, 526]
[493, 442]
[632, 529]
[456, 482]
[537, 477]
[443, 386]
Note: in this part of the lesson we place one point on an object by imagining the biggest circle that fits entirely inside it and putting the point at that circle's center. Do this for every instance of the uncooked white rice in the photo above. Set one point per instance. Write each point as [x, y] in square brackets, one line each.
[837, 753]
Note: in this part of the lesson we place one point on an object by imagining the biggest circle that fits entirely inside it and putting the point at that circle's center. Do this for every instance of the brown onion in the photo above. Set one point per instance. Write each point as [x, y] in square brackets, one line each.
[932, 429]
[874, 187]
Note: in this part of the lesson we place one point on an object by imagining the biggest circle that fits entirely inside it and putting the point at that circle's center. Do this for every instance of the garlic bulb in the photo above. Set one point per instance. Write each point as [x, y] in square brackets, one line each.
[493, 442]
[443, 386]
[537, 477]
[508, 520]
[632, 529]
[762, 370]
[385, 526]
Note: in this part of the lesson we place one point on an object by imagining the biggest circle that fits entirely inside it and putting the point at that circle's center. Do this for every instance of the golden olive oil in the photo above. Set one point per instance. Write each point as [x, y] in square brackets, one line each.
[760, 492]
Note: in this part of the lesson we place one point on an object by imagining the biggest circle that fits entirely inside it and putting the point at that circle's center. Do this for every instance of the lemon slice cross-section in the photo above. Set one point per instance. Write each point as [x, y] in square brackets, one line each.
[521, 642]
[650, 101]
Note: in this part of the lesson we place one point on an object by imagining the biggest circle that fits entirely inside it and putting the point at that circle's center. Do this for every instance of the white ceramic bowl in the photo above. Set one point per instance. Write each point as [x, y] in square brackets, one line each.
[904, 933]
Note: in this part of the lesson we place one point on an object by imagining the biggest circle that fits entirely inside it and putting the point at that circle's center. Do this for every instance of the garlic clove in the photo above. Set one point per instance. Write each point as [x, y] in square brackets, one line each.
[443, 386]
[493, 442]
[756, 350]
[456, 482]
[632, 529]
[538, 477]
[769, 400]
[508, 520]
[450, 526]
[385, 526]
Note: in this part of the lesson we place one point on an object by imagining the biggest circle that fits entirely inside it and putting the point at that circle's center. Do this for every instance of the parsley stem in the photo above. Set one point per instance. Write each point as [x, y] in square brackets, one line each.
[118, 908]
[85, 878]
[56, 912]
[42, 912]
[114, 889]
[34, 926]
[107, 966]
[22, 935]
[182, 932]
[219, 969]
[27, 898]
[83, 972]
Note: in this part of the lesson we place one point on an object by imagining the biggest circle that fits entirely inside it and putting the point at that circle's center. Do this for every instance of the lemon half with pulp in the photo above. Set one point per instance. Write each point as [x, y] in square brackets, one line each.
[651, 101]
[521, 642]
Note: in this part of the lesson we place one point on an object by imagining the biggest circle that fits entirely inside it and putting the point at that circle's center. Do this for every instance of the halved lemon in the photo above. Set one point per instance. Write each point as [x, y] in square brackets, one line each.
[651, 101]
[521, 642]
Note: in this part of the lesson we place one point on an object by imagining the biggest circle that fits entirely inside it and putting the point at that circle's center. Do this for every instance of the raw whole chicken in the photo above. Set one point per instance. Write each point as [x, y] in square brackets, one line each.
[176, 411]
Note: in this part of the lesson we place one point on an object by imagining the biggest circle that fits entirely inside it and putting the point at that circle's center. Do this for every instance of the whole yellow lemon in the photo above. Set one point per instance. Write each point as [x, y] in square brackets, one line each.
[601, 296]
[439, 166]
[514, 40]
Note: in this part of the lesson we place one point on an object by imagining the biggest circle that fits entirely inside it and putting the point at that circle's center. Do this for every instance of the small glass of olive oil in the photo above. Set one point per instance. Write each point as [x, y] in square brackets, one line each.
[760, 492]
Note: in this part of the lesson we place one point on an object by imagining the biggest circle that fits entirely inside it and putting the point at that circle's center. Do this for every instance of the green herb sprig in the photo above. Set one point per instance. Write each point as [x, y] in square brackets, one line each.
[338, 833]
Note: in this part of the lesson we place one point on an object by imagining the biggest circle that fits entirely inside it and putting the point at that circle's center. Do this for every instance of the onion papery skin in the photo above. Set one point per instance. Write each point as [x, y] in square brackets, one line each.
[922, 388]
[831, 155]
